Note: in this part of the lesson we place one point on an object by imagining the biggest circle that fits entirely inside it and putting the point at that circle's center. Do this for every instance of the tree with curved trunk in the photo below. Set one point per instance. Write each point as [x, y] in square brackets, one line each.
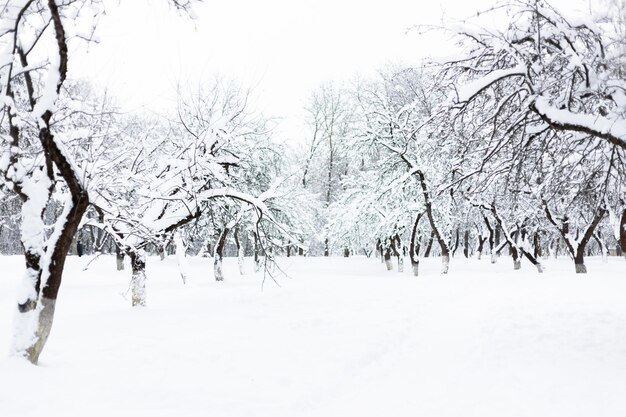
[51, 167]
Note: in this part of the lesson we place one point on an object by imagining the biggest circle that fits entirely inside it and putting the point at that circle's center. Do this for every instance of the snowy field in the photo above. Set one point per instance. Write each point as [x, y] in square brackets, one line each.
[339, 337]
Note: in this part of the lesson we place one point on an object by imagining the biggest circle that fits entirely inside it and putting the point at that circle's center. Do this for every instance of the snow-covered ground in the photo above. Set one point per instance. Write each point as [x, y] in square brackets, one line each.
[339, 337]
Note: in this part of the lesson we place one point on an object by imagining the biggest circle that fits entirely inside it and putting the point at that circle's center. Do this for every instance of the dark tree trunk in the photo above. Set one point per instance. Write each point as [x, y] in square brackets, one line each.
[492, 242]
[388, 259]
[445, 252]
[414, 246]
[59, 248]
[533, 260]
[466, 247]
[257, 254]
[396, 244]
[457, 241]
[138, 282]
[579, 262]
[622, 232]
[481, 245]
[538, 253]
[497, 235]
[510, 238]
[218, 254]
[578, 252]
[326, 248]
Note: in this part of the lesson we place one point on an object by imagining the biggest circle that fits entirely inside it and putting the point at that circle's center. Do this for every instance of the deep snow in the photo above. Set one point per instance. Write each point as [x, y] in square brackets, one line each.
[340, 337]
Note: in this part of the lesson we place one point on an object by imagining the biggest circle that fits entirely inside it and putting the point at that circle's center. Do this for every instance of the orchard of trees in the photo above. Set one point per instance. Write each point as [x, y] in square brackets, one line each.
[513, 148]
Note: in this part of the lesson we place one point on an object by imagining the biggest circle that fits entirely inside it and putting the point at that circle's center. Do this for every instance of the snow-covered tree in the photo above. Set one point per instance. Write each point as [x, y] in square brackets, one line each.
[547, 85]
[35, 162]
[555, 70]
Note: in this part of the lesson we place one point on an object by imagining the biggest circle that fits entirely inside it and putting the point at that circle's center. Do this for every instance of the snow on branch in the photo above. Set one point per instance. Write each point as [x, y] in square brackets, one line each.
[611, 129]
[470, 90]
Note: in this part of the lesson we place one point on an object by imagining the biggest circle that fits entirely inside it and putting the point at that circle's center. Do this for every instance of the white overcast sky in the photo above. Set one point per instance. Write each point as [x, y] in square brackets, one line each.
[280, 48]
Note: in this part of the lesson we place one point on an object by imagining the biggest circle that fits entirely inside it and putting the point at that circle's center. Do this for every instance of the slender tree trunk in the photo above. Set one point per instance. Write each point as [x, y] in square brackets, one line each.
[217, 255]
[181, 251]
[622, 232]
[413, 246]
[517, 260]
[395, 242]
[604, 250]
[388, 259]
[457, 241]
[538, 253]
[326, 248]
[466, 245]
[240, 252]
[119, 258]
[492, 241]
[497, 235]
[533, 260]
[481, 245]
[257, 257]
[100, 235]
[445, 252]
[138, 281]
